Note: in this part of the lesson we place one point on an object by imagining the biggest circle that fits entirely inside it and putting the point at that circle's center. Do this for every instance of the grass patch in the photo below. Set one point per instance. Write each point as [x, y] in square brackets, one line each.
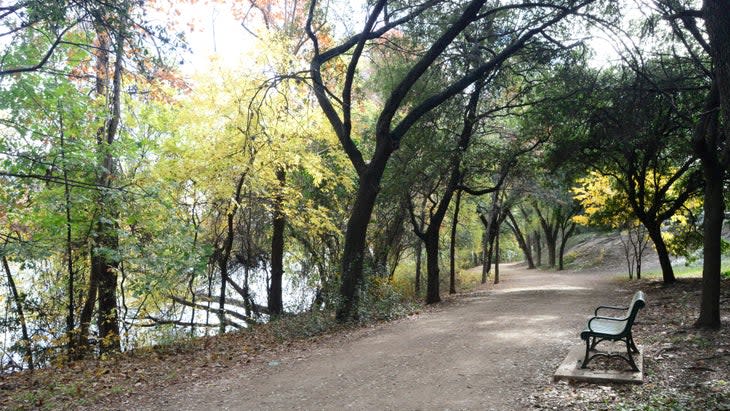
[469, 280]
[693, 270]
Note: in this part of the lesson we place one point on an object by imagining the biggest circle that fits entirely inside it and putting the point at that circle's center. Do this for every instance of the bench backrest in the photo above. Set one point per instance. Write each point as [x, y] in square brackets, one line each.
[637, 302]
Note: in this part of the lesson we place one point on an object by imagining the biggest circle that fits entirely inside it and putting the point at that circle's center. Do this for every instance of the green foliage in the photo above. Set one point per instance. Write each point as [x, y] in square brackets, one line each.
[381, 300]
[304, 325]
[193, 154]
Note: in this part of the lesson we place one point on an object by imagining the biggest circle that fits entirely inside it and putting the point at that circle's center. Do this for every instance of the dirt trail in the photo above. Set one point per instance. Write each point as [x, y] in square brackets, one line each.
[483, 351]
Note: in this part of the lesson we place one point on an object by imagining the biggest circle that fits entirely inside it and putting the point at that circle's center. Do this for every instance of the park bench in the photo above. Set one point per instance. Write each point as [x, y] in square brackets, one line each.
[602, 328]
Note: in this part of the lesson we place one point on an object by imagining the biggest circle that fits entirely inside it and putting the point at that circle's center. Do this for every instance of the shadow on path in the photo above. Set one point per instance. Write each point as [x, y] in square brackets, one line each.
[486, 350]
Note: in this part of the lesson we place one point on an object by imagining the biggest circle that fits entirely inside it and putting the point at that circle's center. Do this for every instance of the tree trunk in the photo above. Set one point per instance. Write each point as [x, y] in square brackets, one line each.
[551, 244]
[356, 235]
[714, 159]
[223, 255]
[418, 252]
[87, 311]
[538, 248]
[496, 258]
[27, 347]
[629, 256]
[655, 234]
[520, 240]
[550, 228]
[277, 250]
[488, 262]
[71, 308]
[490, 223]
[452, 250]
[485, 257]
[104, 261]
[419, 244]
[563, 241]
[717, 19]
[108, 318]
[431, 240]
[639, 240]
[711, 266]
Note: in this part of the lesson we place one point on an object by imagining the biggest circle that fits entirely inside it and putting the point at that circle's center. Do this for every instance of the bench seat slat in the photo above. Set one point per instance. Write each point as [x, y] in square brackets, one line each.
[603, 327]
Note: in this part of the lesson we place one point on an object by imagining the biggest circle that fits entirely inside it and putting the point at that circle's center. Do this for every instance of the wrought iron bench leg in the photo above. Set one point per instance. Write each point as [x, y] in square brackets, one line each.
[587, 359]
[629, 348]
[634, 349]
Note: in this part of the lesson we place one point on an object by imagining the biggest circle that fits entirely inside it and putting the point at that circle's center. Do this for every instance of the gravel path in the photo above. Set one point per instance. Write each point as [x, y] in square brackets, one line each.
[482, 351]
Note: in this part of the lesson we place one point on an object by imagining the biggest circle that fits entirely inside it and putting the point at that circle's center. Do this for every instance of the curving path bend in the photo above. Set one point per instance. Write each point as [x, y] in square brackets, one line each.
[486, 350]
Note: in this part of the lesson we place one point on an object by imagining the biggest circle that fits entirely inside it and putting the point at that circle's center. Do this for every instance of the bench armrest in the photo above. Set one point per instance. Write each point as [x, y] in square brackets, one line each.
[608, 307]
[598, 317]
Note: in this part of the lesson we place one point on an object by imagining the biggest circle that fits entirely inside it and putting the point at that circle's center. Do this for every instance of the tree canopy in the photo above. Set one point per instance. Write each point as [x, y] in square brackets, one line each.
[143, 201]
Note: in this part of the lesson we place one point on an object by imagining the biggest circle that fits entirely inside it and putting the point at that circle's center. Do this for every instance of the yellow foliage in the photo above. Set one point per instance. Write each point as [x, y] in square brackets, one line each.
[604, 202]
[239, 125]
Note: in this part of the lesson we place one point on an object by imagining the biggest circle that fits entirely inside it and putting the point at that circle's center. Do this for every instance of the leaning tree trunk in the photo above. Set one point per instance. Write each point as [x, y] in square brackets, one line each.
[563, 241]
[520, 240]
[655, 234]
[276, 306]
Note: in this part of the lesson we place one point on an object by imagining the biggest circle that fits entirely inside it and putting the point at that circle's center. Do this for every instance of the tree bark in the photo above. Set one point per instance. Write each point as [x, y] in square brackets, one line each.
[87, 311]
[563, 241]
[520, 240]
[356, 234]
[711, 266]
[714, 158]
[419, 244]
[485, 256]
[431, 240]
[223, 255]
[550, 228]
[496, 258]
[104, 261]
[706, 146]
[655, 234]
[276, 306]
[418, 252]
[452, 250]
